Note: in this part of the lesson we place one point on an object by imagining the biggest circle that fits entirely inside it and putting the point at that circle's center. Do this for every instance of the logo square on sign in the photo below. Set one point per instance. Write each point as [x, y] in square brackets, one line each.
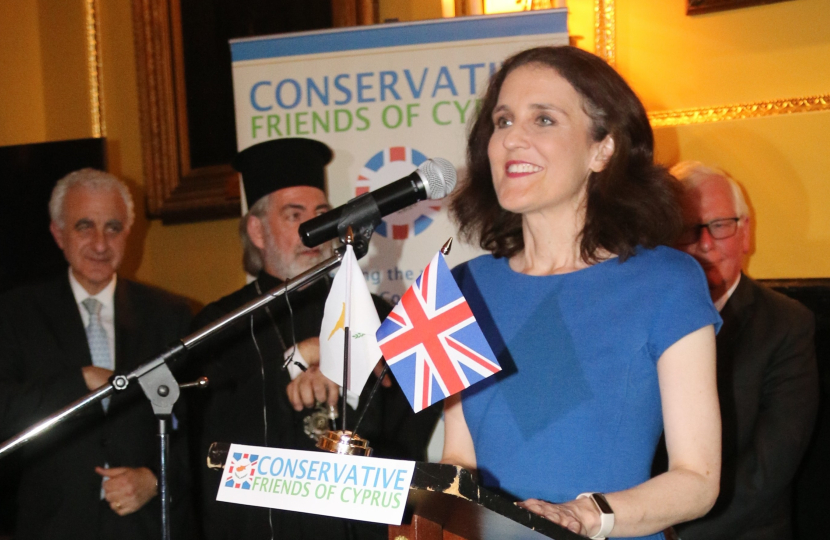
[240, 470]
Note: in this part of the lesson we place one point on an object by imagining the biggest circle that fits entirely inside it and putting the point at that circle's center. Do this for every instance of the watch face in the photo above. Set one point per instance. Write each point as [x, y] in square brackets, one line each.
[602, 502]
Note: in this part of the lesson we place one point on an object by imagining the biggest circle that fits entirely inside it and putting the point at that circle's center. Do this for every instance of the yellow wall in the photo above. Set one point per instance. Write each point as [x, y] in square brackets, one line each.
[673, 61]
[761, 53]
[782, 163]
[409, 10]
[202, 260]
[22, 116]
[44, 83]
[581, 23]
[65, 72]
[750, 54]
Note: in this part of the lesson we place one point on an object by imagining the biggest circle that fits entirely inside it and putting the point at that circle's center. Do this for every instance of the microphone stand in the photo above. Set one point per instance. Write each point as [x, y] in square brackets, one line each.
[155, 378]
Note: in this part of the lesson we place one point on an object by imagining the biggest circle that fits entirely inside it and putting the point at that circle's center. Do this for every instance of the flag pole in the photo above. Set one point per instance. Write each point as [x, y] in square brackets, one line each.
[343, 441]
[447, 247]
[347, 332]
[374, 391]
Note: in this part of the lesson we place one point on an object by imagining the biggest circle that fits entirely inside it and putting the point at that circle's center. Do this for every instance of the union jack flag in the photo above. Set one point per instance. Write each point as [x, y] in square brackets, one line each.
[432, 341]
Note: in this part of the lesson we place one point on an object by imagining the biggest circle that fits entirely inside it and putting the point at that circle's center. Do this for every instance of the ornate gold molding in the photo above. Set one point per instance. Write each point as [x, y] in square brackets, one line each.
[178, 190]
[605, 34]
[605, 30]
[93, 62]
[702, 115]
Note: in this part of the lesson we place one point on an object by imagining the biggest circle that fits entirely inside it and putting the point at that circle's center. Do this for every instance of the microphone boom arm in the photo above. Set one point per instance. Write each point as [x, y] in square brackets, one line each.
[154, 392]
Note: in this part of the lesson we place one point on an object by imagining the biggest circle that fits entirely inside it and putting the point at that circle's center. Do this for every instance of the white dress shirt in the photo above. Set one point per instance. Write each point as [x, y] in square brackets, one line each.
[720, 302]
[294, 371]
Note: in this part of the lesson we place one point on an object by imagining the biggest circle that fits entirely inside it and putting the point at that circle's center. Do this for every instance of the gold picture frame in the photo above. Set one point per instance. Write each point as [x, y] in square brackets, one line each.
[697, 7]
[177, 191]
[605, 47]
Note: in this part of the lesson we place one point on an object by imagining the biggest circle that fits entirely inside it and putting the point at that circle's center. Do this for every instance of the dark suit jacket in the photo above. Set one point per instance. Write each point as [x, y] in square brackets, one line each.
[43, 347]
[768, 387]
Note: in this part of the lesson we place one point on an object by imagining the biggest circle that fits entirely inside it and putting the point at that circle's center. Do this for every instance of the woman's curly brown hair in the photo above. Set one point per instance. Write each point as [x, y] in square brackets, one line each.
[631, 202]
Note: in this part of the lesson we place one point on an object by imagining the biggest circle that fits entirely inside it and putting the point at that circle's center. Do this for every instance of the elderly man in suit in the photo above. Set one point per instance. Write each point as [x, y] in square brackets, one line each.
[767, 373]
[95, 475]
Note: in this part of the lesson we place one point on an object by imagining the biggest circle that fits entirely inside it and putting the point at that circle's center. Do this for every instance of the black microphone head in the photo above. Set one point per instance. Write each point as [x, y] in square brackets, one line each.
[439, 177]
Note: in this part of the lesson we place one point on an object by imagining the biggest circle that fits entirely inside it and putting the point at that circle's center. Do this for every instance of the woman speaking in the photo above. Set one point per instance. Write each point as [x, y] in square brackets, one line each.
[606, 338]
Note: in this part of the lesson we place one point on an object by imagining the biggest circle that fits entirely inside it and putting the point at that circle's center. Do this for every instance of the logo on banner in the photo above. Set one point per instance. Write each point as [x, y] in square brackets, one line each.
[240, 470]
[385, 167]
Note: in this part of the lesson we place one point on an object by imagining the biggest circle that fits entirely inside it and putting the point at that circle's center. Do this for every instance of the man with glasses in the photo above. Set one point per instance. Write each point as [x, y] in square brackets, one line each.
[767, 374]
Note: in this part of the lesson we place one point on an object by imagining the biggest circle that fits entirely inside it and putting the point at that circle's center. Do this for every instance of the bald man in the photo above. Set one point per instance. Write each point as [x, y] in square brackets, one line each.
[767, 373]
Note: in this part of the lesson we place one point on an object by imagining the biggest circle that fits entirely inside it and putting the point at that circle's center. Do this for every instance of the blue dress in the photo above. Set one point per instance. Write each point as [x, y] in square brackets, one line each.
[577, 405]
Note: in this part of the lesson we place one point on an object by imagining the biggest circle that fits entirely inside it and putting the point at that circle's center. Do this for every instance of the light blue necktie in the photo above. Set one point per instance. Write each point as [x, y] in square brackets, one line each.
[96, 335]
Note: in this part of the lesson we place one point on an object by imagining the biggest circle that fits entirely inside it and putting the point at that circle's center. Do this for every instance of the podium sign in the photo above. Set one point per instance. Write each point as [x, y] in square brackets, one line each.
[366, 489]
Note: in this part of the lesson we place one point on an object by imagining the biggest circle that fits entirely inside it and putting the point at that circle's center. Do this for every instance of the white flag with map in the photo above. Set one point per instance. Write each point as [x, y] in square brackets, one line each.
[349, 305]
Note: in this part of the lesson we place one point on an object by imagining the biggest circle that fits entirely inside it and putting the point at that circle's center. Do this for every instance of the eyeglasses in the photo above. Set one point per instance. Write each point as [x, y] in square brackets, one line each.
[719, 229]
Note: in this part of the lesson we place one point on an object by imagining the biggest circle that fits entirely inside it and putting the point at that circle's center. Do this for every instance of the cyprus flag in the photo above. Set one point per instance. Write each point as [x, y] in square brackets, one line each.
[349, 307]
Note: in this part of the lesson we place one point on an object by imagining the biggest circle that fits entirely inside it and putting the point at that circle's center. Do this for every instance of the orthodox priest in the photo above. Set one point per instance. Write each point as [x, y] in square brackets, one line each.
[252, 398]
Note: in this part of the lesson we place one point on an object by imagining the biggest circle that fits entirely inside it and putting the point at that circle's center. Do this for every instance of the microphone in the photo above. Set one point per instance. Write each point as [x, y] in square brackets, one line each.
[434, 179]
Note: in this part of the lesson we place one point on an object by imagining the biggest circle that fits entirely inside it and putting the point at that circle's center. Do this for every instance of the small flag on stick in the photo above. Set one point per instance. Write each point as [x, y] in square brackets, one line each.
[349, 307]
[432, 341]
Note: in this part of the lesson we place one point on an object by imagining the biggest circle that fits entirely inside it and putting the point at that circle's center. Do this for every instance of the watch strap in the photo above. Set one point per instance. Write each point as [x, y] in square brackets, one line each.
[606, 518]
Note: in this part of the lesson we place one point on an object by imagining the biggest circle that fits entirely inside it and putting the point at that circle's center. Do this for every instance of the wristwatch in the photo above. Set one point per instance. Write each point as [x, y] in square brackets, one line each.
[606, 514]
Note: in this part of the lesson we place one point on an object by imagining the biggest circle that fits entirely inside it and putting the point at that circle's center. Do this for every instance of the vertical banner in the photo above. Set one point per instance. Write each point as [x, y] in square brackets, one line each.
[385, 98]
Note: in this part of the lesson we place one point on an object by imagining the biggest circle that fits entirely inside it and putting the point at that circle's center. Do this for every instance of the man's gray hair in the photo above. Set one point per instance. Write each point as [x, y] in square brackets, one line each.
[252, 260]
[692, 173]
[93, 179]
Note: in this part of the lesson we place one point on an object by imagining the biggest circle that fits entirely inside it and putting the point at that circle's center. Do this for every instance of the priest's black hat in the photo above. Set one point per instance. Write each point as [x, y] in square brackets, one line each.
[281, 163]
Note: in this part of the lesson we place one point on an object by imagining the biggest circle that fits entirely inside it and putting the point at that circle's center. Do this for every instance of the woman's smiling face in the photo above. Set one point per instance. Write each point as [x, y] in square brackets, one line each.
[541, 149]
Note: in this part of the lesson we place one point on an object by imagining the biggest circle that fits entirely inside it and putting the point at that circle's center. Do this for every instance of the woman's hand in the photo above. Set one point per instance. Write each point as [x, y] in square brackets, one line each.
[579, 516]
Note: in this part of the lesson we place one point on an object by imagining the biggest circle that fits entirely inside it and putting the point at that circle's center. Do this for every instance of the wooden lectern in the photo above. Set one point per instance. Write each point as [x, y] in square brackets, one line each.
[446, 503]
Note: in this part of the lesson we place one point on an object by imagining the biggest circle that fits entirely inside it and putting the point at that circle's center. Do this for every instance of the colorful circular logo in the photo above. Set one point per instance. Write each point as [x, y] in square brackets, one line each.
[240, 470]
[385, 167]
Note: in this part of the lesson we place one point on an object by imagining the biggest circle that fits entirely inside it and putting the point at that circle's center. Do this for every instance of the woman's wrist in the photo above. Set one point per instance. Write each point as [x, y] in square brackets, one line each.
[600, 512]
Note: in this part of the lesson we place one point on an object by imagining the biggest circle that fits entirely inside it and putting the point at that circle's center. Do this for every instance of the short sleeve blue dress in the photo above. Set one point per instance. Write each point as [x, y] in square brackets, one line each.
[576, 407]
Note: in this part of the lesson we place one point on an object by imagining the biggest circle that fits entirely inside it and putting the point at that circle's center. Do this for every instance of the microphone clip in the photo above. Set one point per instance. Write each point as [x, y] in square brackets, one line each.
[363, 216]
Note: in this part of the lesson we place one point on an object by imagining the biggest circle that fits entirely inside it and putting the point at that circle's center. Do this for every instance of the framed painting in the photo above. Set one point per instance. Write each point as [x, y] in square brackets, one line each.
[186, 95]
[696, 7]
